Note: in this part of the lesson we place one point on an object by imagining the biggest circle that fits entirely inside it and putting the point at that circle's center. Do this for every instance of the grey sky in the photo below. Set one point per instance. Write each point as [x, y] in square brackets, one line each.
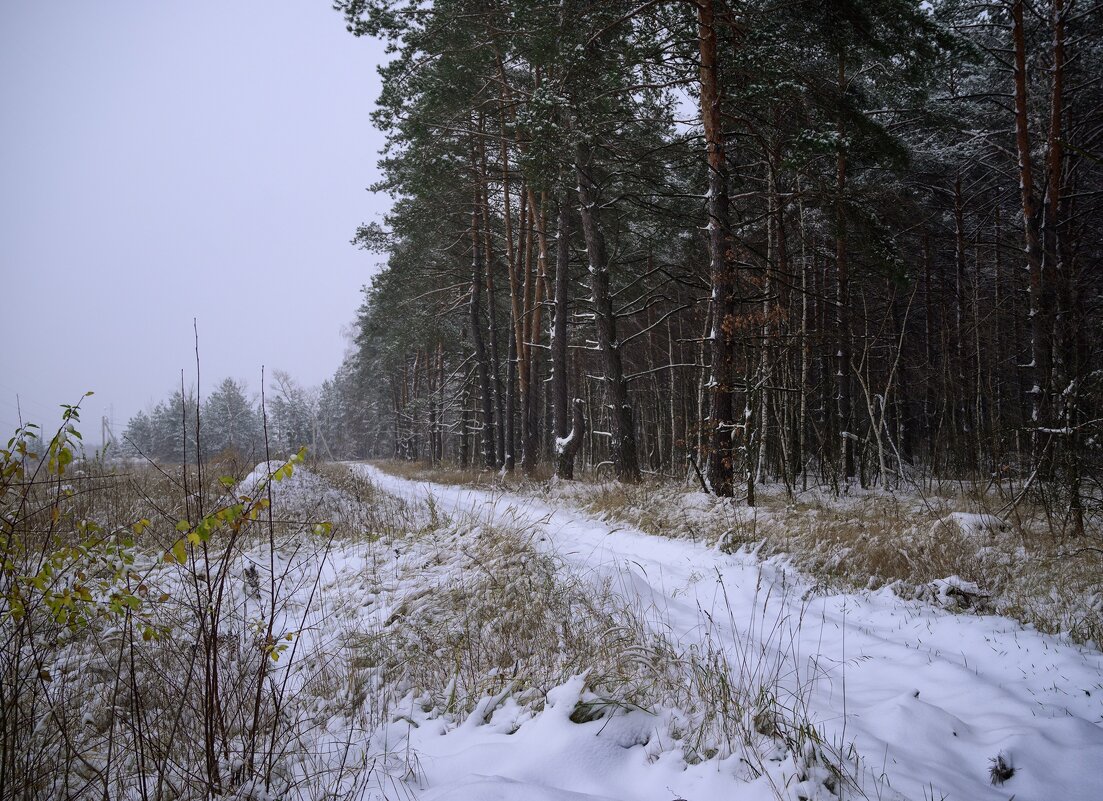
[162, 161]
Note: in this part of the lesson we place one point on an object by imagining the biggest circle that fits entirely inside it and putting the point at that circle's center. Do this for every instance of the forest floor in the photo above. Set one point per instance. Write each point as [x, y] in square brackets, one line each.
[829, 693]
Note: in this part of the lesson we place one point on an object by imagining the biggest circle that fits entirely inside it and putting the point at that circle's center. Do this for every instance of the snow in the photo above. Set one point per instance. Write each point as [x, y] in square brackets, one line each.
[848, 695]
[955, 591]
[299, 493]
[974, 525]
[924, 697]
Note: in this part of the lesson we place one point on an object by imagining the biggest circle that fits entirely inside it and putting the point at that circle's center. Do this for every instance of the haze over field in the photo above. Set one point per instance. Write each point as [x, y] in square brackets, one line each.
[168, 161]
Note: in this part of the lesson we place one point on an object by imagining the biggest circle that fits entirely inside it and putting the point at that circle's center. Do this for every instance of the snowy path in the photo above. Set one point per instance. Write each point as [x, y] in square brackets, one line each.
[927, 697]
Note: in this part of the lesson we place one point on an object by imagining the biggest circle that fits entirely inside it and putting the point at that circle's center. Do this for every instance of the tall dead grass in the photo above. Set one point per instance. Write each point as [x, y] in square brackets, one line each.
[1022, 567]
[1023, 563]
[492, 618]
[127, 673]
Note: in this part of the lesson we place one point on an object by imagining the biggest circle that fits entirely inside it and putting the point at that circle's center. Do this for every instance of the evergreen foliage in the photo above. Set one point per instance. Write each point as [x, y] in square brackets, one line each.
[912, 221]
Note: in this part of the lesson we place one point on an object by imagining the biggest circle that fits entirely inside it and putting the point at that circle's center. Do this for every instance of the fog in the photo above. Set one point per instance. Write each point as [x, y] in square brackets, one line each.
[164, 163]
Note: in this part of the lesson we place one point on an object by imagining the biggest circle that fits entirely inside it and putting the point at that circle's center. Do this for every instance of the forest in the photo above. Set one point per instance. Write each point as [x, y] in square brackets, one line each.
[806, 295]
[827, 243]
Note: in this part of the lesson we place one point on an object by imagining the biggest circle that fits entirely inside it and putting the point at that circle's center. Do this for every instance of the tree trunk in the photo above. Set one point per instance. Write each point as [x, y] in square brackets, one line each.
[530, 447]
[481, 361]
[843, 400]
[1039, 336]
[508, 462]
[559, 388]
[623, 444]
[567, 446]
[721, 269]
[492, 310]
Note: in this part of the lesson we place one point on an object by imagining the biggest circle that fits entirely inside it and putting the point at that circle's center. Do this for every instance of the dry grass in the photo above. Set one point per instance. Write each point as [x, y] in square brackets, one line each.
[1026, 567]
[494, 614]
[121, 702]
[474, 477]
[492, 619]
[475, 617]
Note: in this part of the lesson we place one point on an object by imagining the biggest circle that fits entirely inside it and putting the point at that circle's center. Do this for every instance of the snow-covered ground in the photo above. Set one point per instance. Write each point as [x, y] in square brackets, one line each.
[445, 643]
[914, 701]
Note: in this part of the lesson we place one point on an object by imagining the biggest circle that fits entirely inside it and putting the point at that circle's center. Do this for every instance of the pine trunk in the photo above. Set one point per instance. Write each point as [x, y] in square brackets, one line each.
[623, 444]
[721, 463]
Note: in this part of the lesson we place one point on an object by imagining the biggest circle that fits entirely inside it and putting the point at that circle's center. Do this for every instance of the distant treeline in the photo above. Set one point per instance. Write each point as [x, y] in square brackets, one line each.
[230, 423]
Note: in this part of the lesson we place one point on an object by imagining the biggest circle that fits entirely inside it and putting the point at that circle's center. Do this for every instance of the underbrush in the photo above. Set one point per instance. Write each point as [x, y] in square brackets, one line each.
[161, 627]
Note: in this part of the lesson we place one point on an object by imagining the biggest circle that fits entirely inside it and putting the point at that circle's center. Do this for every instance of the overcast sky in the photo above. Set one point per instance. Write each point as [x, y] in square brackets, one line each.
[161, 161]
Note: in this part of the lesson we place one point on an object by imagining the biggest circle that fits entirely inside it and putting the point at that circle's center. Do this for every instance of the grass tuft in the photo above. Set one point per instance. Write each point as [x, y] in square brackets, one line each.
[1000, 769]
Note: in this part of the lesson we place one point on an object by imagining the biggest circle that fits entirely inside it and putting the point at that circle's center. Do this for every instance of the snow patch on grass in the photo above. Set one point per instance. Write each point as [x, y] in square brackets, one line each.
[889, 693]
